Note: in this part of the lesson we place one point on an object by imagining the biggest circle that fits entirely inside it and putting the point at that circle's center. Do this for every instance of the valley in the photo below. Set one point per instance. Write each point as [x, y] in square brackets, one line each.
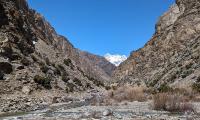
[44, 77]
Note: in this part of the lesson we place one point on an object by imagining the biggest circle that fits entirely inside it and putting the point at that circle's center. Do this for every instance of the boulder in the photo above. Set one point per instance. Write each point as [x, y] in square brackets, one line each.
[6, 67]
[107, 112]
[26, 90]
[1, 75]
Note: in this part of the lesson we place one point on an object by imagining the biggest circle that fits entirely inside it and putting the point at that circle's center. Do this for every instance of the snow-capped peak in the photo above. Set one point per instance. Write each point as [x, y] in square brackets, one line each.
[115, 59]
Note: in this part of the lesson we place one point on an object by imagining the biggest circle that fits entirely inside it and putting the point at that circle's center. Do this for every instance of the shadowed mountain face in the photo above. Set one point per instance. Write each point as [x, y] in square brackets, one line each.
[172, 56]
[99, 61]
[33, 54]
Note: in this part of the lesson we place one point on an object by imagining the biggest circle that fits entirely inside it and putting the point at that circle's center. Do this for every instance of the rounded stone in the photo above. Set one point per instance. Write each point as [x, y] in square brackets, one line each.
[107, 112]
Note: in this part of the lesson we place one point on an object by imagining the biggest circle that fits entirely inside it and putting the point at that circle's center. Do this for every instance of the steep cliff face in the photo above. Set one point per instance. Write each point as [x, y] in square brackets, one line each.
[32, 54]
[172, 56]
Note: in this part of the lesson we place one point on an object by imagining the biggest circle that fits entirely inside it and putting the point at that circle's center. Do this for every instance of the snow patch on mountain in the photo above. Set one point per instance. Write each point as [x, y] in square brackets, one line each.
[115, 59]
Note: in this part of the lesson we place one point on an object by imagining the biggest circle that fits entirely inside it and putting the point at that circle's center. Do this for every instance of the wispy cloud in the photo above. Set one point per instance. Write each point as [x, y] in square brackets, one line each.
[115, 59]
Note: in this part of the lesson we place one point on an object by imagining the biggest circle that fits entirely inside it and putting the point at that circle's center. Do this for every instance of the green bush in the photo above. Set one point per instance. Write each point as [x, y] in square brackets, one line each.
[61, 67]
[53, 64]
[95, 81]
[88, 85]
[186, 73]
[68, 62]
[98, 83]
[77, 82]
[164, 88]
[44, 81]
[153, 83]
[196, 86]
[47, 61]
[25, 61]
[70, 87]
[107, 87]
[198, 79]
[173, 77]
[65, 78]
[188, 66]
[60, 70]
[44, 68]
[35, 59]
[179, 65]
[57, 70]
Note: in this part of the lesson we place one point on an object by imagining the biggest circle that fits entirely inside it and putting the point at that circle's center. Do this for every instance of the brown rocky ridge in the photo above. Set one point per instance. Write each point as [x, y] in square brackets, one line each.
[172, 56]
[37, 64]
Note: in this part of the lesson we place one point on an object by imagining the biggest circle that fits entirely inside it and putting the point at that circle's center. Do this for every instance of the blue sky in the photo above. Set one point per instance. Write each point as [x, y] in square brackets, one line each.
[103, 26]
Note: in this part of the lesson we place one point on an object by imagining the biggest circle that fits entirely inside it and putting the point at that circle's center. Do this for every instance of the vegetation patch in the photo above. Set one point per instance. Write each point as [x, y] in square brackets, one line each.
[57, 70]
[44, 81]
[70, 87]
[35, 59]
[196, 85]
[68, 62]
[65, 78]
[77, 82]
[171, 102]
[127, 93]
[88, 85]
[60, 70]
[47, 61]
[186, 73]
[44, 68]
[189, 66]
[107, 87]
[25, 61]
[96, 82]
[153, 83]
[164, 88]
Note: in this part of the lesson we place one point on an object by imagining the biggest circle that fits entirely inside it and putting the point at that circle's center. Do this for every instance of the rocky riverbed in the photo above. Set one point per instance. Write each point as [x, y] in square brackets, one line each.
[83, 106]
[81, 110]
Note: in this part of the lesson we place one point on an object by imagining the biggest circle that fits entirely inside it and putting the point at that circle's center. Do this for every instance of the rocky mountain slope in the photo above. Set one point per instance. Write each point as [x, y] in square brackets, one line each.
[99, 61]
[34, 56]
[172, 56]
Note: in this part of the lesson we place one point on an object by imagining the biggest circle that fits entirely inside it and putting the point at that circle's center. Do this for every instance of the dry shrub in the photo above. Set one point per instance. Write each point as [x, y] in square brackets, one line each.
[171, 102]
[135, 94]
[127, 93]
[187, 94]
[196, 98]
[159, 101]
